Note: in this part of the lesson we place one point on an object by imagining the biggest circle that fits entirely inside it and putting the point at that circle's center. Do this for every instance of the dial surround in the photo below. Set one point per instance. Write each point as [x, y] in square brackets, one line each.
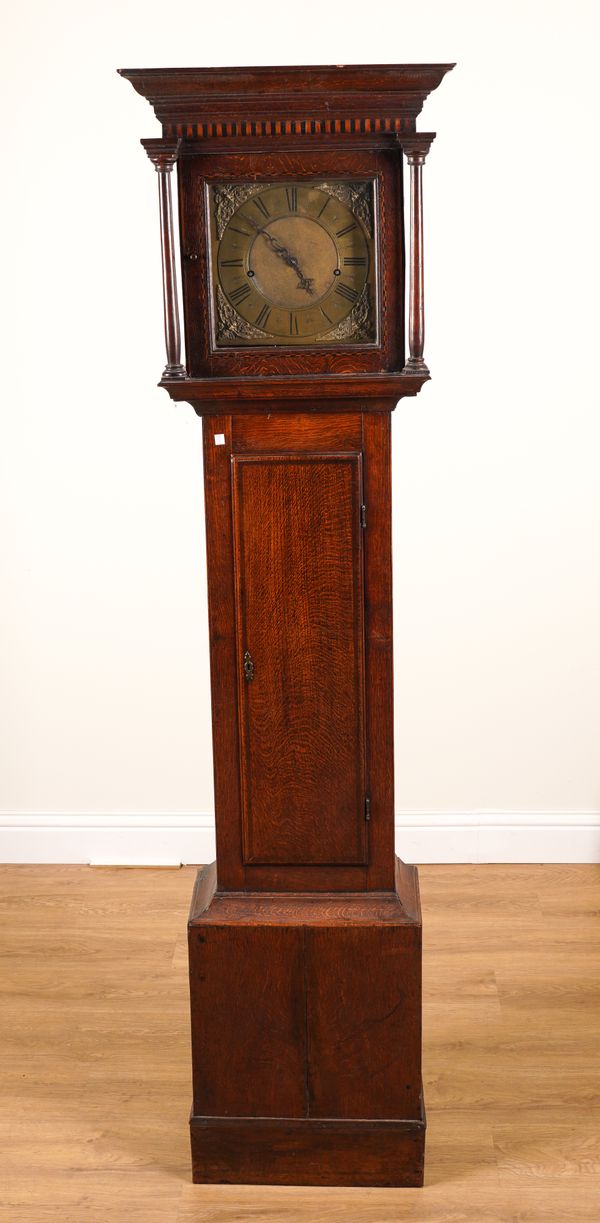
[293, 263]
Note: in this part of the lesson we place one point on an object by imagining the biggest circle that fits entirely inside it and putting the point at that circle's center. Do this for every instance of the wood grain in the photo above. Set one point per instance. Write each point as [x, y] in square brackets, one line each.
[189, 95]
[326, 393]
[377, 445]
[306, 1007]
[364, 1020]
[248, 1026]
[299, 611]
[267, 432]
[94, 1061]
[313, 648]
[223, 656]
[314, 1152]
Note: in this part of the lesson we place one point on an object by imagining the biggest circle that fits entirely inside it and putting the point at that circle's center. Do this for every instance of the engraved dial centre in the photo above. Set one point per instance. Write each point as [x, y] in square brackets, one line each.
[312, 257]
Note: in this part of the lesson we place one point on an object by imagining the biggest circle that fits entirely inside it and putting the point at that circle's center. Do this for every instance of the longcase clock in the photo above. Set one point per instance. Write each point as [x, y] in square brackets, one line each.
[305, 935]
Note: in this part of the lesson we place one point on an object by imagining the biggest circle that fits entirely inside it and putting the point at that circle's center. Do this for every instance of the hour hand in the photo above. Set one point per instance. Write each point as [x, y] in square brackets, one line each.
[305, 282]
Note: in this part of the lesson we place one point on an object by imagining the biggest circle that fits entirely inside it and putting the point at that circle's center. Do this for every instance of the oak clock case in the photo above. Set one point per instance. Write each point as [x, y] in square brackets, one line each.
[293, 263]
[305, 935]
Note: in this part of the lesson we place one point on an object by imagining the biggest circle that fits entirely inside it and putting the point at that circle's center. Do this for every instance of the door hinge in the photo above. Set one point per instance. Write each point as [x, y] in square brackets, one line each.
[367, 809]
[363, 515]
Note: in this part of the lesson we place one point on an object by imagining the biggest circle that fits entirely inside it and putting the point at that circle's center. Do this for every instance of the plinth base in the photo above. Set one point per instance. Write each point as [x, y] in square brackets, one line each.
[285, 1151]
[306, 1036]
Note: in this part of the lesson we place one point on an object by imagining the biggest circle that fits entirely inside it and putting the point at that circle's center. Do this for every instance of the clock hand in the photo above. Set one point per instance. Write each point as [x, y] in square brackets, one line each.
[283, 252]
[289, 259]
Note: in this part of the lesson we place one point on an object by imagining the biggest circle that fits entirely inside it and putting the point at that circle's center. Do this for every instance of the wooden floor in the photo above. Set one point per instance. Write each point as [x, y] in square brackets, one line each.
[95, 1079]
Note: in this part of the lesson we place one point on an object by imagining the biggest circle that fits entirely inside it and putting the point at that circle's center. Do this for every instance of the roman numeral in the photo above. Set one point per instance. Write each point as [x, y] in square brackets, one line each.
[355, 261]
[262, 318]
[239, 231]
[346, 230]
[262, 207]
[293, 325]
[346, 291]
[232, 263]
[327, 201]
[240, 294]
[291, 195]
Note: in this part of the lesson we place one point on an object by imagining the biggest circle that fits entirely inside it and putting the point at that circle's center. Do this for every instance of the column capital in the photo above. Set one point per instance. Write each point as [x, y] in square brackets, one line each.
[416, 146]
[162, 153]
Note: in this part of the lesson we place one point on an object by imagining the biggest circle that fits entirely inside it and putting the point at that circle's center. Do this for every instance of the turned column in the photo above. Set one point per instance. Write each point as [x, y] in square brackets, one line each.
[163, 155]
[416, 148]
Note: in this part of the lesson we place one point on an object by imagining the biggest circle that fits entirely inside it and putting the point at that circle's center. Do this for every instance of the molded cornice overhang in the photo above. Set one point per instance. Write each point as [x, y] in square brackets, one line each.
[345, 99]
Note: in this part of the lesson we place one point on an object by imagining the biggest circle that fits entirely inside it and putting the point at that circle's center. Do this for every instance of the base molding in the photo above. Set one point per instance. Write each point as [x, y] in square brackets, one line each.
[307, 1151]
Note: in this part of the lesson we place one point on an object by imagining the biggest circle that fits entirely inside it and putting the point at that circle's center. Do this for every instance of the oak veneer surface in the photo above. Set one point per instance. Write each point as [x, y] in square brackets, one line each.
[94, 1054]
[298, 550]
[283, 530]
[237, 1071]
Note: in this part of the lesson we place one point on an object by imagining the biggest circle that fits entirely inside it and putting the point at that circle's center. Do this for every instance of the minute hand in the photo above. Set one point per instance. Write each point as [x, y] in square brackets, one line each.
[283, 252]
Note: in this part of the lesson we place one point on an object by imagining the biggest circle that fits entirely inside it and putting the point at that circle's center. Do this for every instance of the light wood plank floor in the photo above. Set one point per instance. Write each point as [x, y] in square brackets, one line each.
[94, 1056]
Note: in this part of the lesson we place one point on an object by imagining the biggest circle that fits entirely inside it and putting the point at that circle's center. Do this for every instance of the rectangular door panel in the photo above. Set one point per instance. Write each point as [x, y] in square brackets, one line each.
[300, 634]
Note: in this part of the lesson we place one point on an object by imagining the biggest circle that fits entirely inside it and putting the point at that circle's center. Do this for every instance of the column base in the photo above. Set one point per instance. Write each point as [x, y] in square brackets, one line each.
[174, 371]
[307, 1151]
[415, 365]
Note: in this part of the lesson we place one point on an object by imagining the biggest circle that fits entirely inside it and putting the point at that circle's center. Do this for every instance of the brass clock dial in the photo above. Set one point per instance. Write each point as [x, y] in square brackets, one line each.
[293, 263]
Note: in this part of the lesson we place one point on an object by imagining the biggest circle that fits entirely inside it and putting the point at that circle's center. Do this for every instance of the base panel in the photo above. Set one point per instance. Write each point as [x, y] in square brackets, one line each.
[306, 1036]
[283, 1151]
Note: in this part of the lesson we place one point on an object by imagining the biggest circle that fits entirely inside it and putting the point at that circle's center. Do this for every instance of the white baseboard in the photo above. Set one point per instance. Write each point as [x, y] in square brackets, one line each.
[499, 836]
[169, 840]
[108, 840]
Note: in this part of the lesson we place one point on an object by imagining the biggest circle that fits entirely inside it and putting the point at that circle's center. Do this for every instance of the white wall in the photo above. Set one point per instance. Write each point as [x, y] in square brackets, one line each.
[105, 731]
